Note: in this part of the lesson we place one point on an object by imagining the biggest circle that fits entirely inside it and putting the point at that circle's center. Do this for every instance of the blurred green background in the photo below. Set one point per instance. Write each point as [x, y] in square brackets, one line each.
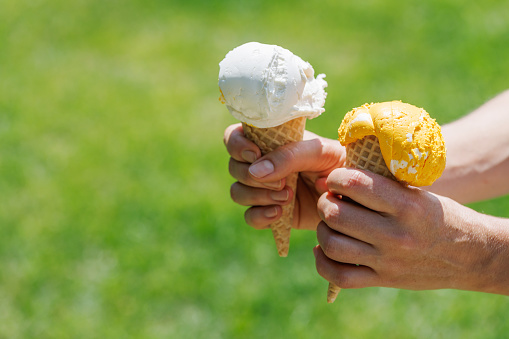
[115, 215]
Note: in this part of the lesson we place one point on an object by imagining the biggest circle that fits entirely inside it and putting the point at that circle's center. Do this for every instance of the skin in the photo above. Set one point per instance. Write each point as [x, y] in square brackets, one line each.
[480, 172]
[375, 232]
[315, 158]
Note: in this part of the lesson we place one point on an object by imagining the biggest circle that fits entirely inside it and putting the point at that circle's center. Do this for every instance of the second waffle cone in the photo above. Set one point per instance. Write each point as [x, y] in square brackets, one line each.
[268, 139]
[363, 154]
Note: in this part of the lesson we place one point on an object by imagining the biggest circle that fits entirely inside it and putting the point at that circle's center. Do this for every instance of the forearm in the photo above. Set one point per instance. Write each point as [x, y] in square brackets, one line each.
[477, 154]
[493, 270]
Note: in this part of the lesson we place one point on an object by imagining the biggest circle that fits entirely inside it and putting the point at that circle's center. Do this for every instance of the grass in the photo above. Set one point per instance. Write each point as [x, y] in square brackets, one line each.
[115, 213]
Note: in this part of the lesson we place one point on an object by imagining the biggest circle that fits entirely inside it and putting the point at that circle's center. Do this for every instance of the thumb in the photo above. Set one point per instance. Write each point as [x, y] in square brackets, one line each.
[319, 156]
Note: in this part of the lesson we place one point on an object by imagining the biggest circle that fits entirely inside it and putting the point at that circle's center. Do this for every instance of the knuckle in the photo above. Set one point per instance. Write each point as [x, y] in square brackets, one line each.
[332, 215]
[414, 209]
[321, 205]
[343, 280]
[229, 132]
[253, 217]
[226, 135]
[404, 242]
[286, 154]
[331, 151]
[416, 206]
[238, 171]
[352, 180]
[407, 243]
[320, 267]
[231, 166]
[234, 191]
[328, 247]
[248, 217]
[233, 140]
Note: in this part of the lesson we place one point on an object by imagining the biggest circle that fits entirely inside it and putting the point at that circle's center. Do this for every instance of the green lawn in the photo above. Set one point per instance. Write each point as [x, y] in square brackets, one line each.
[115, 215]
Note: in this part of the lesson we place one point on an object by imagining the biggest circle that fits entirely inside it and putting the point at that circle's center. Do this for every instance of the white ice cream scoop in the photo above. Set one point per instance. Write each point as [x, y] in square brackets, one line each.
[267, 85]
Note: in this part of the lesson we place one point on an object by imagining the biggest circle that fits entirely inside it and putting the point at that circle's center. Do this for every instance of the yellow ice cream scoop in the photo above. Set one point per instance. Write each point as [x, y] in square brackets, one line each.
[410, 141]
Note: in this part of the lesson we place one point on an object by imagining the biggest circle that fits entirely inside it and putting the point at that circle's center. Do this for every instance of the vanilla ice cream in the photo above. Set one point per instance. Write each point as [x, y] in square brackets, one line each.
[267, 85]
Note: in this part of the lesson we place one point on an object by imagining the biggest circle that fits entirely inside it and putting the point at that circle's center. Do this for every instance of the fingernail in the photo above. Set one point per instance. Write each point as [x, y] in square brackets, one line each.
[280, 195]
[270, 212]
[261, 169]
[249, 156]
[273, 184]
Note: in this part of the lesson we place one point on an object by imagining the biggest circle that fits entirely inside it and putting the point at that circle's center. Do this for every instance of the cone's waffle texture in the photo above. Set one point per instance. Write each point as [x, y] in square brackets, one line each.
[268, 139]
[362, 154]
[365, 154]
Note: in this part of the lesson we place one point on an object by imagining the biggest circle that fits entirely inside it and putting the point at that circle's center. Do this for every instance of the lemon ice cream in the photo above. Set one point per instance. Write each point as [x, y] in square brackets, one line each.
[410, 140]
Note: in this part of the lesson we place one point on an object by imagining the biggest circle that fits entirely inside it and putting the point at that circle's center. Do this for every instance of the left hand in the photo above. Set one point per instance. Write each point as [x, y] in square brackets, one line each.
[395, 236]
[313, 158]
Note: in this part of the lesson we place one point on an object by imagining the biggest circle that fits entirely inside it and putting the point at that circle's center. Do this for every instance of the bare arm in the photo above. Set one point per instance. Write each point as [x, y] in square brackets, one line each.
[477, 154]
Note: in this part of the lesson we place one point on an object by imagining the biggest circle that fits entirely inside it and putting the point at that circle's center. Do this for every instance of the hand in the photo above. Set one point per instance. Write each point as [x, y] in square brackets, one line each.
[261, 180]
[390, 235]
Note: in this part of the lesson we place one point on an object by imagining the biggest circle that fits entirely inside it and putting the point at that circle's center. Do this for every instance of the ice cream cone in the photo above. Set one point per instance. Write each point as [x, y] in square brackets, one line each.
[409, 139]
[268, 139]
[362, 154]
[365, 154]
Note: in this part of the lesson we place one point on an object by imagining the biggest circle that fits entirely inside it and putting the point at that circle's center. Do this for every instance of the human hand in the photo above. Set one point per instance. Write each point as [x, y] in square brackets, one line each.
[390, 235]
[261, 180]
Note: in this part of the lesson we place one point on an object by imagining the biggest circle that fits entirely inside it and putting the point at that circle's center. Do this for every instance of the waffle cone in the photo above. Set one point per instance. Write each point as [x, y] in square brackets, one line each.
[362, 154]
[268, 139]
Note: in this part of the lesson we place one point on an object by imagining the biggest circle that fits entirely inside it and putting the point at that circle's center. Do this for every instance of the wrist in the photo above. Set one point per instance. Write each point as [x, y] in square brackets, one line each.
[488, 270]
[476, 247]
[494, 275]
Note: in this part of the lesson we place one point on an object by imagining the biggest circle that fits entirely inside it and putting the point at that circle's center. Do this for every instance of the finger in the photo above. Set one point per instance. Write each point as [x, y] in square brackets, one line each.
[321, 185]
[305, 215]
[238, 146]
[344, 275]
[260, 217]
[310, 135]
[352, 219]
[240, 171]
[316, 155]
[345, 249]
[251, 196]
[368, 189]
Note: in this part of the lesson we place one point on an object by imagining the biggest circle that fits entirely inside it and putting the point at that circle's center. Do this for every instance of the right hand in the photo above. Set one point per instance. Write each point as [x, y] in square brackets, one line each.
[261, 180]
[390, 235]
